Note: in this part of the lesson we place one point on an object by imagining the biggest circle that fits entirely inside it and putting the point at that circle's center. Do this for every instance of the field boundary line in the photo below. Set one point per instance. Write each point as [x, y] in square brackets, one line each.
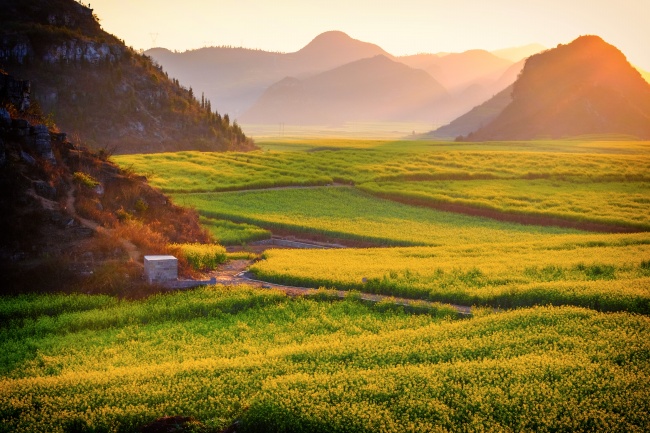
[370, 297]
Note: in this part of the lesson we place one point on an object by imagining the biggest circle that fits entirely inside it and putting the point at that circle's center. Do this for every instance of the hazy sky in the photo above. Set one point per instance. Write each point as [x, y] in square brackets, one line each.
[400, 27]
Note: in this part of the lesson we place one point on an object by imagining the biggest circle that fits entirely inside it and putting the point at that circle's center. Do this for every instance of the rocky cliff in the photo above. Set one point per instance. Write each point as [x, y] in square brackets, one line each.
[103, 93]
[71, 220]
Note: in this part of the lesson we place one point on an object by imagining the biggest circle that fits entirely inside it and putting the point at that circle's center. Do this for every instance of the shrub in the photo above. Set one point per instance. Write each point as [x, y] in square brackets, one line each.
[201, 257]
[85, 179]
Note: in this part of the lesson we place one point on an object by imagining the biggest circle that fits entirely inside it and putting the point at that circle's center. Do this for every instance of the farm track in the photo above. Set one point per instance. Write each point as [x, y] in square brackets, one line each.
[236, 273]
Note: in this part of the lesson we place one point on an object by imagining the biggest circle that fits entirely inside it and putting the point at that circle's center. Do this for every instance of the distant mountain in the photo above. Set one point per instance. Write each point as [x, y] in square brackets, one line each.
[377, 88]
[457, 71]
[235, 77]
[471, 77]
[487, 111]
[516, 54]
[98, 90]
[644, 74]
[585, 87]
[477, 117]
[331, 49]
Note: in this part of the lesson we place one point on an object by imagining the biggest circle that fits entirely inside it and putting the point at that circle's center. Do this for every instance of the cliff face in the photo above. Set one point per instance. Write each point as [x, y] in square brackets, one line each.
[100, 91]
[54, 194]
[54, 31]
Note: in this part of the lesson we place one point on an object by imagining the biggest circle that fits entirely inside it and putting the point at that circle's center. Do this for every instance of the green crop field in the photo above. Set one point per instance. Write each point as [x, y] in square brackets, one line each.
[559, 339]
[604, 272]
[616, 203]
[367, 161]
[231, 233]
[344, 212]
[93, 363]
[603, 182]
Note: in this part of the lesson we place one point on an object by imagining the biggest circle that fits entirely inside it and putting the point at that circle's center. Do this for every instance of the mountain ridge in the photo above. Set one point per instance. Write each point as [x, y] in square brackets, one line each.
[368, 89]
[245, 74]
[584, 87]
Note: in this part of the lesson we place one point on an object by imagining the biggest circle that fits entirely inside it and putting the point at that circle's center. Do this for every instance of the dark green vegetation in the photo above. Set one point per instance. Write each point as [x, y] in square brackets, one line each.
[231, 233]
[100, 91]
[276, 364]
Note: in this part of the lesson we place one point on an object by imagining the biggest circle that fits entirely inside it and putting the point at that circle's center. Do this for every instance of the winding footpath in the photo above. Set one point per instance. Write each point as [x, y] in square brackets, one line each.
[236, 272]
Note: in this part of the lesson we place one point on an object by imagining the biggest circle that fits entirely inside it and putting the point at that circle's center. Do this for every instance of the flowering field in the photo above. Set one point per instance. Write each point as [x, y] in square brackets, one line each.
[566, 349]
[579, 181]
[605, 272]
[345, 212]
[358, 162]
[94, 363]
[200, 256]
[616, 203]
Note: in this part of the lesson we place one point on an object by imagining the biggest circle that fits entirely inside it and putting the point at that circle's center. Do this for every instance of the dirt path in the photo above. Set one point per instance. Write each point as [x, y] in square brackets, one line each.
[131, 249]
[236, 272]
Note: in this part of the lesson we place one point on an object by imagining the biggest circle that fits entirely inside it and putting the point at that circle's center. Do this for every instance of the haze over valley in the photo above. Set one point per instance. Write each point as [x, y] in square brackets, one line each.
[264, 87]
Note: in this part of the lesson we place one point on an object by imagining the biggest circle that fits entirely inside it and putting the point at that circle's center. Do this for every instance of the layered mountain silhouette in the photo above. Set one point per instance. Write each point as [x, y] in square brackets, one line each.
[585, 87]
[515, 54]
[470, 77]
[377, 88]
[236, 77]
[456, 71]
[476, 118]
[331, 49]
[242, 80]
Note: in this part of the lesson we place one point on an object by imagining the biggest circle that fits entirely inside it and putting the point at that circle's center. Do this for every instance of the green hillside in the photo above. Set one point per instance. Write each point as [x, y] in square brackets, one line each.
[101, 92]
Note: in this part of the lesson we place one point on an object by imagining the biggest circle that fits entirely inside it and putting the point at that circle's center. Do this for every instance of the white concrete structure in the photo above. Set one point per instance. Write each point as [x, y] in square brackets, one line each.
[160, 269]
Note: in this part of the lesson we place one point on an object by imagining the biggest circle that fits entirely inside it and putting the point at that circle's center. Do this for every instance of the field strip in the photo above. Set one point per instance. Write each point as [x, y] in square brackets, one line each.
[512, 217]
[294, 291]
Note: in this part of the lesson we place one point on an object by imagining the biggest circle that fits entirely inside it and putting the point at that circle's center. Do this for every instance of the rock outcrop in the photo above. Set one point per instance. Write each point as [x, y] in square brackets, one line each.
[105, 94]
[37, 138]
[15, 92]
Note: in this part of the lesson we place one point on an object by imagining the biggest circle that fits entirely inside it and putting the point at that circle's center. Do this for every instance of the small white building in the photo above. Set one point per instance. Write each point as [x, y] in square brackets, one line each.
[160, 269]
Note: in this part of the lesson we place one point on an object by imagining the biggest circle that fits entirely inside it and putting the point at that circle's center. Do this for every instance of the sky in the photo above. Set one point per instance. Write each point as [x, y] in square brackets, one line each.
[399, 27]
